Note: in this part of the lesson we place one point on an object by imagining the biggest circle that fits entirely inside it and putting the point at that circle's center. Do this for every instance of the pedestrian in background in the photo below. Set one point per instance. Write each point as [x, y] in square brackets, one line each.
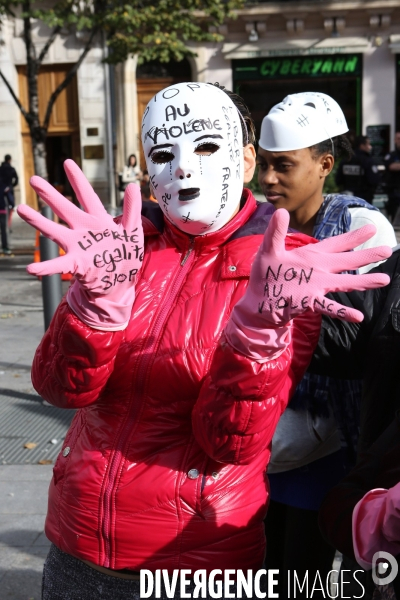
[359, 174]
[131, 173]
[3, 221]
[307, 456]
[392, 164]
[9, 180]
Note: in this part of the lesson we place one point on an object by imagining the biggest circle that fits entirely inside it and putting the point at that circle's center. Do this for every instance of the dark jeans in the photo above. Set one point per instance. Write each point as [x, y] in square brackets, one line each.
[67, 578]
[10, 197]
[3, 230]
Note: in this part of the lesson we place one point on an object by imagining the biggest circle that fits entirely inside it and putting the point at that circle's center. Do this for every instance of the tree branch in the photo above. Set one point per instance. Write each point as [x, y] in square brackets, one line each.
[21, 108]
[30, 47]
[67, 80]
[47, 45]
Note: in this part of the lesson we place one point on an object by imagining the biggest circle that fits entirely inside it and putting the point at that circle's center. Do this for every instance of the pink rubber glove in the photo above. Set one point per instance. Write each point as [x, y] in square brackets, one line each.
[376, 525]
[286, 283]
[104, 256]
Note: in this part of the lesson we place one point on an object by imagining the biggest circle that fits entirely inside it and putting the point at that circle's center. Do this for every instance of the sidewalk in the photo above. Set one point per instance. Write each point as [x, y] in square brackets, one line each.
[23, 545]
[24, 418]
[22, 236]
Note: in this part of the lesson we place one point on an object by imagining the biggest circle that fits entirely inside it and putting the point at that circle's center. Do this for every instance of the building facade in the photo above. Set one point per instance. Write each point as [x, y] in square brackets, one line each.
[79, 125]
[348, 49]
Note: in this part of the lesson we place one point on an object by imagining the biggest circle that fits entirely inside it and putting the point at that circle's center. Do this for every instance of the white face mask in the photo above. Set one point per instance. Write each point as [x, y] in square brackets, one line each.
[193, 144]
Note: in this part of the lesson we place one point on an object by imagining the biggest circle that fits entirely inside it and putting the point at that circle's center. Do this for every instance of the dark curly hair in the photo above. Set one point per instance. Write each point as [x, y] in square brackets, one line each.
[249, 132]
[339, 146]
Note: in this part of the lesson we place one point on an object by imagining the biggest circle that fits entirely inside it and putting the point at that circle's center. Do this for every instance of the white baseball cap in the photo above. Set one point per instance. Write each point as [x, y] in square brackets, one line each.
[300, 121]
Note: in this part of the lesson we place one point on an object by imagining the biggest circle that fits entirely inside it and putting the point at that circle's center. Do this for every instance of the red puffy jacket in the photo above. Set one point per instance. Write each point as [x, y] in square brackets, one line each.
[164, 466]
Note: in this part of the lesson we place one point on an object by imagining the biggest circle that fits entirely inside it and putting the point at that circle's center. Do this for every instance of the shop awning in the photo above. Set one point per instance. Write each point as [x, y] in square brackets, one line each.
[336, 45]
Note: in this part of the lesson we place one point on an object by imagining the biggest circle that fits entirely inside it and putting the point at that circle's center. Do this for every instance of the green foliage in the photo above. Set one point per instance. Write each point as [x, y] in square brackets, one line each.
[6, 8]
[153, 29]
[161, 30]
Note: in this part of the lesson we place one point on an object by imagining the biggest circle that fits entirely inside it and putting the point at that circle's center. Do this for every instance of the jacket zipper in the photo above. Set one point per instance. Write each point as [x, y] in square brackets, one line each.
[147, 353]
[188, 252]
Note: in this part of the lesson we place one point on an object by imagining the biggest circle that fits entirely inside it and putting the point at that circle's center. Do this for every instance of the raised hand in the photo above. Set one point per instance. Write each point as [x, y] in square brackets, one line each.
[285, 283]
[105, 256]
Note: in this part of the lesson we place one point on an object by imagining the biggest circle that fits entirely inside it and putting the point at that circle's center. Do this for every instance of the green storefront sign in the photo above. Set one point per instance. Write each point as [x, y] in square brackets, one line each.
[298, 67]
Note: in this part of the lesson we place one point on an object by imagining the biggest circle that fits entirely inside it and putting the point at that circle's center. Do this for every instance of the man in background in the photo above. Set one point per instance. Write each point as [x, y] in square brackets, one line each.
[360, 174]
[392, 164]
[8, 180]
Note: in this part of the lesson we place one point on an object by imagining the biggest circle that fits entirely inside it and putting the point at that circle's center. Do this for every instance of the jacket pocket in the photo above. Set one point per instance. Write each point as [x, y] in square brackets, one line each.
[209, 480]
[67, 447]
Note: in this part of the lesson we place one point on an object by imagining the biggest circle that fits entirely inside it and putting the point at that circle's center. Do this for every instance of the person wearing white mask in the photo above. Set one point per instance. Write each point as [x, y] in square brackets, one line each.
[180, 342]
[315, 441]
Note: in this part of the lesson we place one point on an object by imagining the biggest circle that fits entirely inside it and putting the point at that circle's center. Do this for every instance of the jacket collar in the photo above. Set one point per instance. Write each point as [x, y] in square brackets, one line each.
[211, 241]
[240, 238]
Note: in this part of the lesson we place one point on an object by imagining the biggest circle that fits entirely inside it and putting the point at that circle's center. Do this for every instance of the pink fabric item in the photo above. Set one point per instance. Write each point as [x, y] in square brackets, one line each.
[285, 283]
[105, 256]
[259, 344]
[376, 525]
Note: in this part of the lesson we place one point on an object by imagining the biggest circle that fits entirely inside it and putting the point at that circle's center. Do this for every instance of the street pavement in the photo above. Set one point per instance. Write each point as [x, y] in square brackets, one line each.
[23, 545]
[23, 416]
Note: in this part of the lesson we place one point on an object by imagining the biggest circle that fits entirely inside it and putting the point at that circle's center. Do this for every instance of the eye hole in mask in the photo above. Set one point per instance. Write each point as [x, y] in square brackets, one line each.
[162, 157]
[206, 149]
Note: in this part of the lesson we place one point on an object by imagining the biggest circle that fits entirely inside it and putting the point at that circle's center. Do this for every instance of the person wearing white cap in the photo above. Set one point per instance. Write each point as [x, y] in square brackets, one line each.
[314, 444]
[300, 139]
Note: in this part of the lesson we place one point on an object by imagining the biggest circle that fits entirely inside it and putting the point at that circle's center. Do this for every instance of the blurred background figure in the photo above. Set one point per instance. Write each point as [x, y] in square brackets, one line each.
[3, 221]
[392, 164]
[146, 189]
[9, 180]
[130, 174]
[360, 175]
